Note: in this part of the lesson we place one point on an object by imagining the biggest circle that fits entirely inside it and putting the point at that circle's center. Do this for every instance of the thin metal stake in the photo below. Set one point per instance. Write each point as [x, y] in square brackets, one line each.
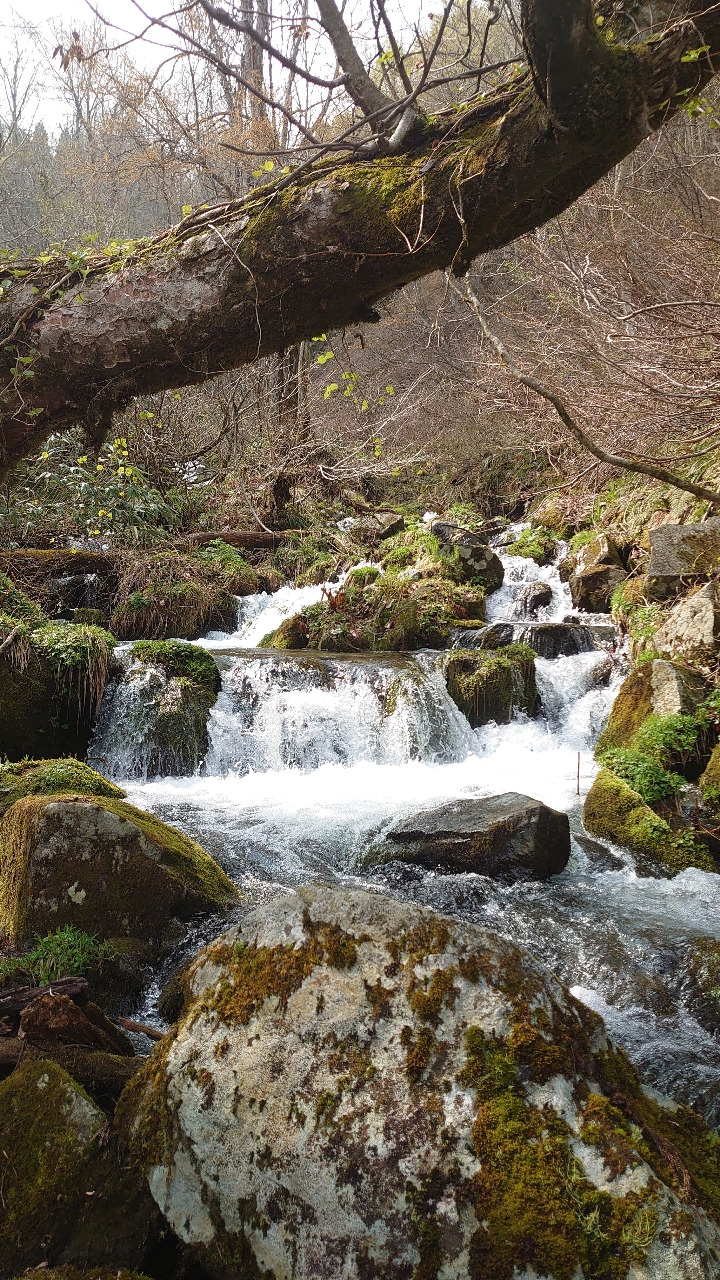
[578, 782]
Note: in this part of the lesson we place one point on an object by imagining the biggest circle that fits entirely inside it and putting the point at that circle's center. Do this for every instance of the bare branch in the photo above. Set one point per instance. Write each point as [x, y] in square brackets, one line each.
[614, 460]
[246, 28]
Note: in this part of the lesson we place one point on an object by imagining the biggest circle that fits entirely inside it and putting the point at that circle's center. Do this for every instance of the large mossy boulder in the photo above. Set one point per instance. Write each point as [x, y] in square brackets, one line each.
[492, 684]
[471, 558]
[104, 867]
[614, 811]
[364, 1088]
[67, 1197]
[509, 837]
[655, 688]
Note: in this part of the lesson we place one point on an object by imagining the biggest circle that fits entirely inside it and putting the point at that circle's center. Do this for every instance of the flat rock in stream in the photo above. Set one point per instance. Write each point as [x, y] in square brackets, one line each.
[548, 639]
[509, 837]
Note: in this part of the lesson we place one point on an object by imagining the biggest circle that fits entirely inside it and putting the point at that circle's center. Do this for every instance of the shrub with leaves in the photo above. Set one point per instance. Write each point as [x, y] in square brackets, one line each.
[66, 953]
[654, 783]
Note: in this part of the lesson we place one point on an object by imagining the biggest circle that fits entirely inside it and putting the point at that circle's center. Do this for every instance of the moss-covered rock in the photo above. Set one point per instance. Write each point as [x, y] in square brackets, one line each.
[364, 1086]
[615, 812]
[709, 781]
[155, 718]
[654, 688]
[492, 684]
[125, 970]
[66, 1197]
[538, 544]
[102, 866]
[57, 581]
[172, 595]
[387, 613]
[52, 777]
[17, 604]
[50, 691]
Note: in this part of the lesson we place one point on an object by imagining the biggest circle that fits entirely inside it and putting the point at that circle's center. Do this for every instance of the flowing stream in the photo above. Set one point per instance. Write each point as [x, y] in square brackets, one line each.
[312, 757]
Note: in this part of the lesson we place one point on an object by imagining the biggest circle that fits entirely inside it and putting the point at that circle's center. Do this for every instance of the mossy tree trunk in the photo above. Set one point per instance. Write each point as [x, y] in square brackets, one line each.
[82, 335]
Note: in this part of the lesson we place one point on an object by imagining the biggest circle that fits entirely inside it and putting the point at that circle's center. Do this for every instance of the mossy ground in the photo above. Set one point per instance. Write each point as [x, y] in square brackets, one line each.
[136, 896]
[491, 685]
[169, 594]
[538, 543]
[615, 812]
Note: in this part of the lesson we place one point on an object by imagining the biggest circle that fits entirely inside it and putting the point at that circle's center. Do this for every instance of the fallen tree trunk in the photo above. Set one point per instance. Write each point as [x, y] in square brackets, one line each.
[15, 1001]
[82, 334]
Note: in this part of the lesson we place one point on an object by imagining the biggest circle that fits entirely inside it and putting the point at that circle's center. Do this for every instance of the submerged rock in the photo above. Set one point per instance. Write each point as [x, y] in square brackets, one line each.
[365, 1088]
[508, 837]
[102, 866]
[681, 552]
[66, 1197]
[691, 631]
[490, 685]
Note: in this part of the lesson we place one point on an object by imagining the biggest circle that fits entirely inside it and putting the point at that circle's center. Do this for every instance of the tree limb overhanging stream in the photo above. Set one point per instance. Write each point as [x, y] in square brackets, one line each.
[85, 333]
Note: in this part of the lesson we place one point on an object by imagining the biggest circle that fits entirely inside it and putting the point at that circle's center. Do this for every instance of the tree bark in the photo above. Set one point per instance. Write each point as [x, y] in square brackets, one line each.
[79, 337]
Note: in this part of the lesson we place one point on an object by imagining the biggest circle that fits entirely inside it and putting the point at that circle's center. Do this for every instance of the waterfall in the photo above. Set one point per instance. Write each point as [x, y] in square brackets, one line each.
[308, 759]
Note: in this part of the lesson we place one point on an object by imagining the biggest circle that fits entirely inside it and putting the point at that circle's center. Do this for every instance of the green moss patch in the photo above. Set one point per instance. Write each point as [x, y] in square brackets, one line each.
[615, 812]
[14, 602]
[230, 568]
[492, 684]
[632, 705]
[538, 544]
[52, 777]
[179, 659]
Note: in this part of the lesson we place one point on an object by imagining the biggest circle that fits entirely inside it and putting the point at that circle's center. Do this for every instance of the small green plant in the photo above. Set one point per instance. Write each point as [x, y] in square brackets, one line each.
[66, 953]
[651, 781]
[581, 539]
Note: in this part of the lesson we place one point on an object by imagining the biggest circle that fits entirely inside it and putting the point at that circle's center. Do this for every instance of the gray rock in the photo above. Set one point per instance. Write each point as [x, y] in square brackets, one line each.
[509, 837]
[378, 525]
[682, 552]
[602, 550]
[592, 588]
[360, 1078]
[675, 690]
[691, 630]
[533, 597]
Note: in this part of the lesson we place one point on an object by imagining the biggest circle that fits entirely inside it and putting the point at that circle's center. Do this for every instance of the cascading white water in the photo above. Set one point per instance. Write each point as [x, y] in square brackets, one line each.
[312, 758]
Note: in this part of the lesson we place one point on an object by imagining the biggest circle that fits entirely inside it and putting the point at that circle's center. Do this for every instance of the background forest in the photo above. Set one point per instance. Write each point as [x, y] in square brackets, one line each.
[613, 306]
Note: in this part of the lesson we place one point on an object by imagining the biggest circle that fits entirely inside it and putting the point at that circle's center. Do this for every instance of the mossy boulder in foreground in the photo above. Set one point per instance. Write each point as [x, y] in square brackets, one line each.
[613, 811]
[103, 866]
[67, 1197]
[364, 1088]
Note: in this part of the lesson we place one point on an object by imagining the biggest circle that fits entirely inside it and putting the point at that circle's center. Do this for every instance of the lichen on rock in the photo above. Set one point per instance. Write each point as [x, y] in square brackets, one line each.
[365, 1088]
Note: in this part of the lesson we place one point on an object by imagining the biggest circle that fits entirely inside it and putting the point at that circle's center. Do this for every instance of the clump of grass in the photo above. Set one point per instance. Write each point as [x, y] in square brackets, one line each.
[79, 658]
[229, 567]
[170, 594]
[66, 953]
[16, 604]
